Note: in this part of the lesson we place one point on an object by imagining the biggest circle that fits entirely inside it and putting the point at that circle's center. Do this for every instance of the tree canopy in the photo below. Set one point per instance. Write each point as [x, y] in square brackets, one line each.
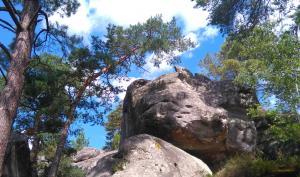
[235, 16]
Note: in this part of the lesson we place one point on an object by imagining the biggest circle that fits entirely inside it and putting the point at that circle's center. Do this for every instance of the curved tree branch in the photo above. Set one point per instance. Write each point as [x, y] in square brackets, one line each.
[10, 27]
[46, 18]
[94, 76]
[5, 27]
[41, 12]
[18, 13]
[5, 10]
[12, 12]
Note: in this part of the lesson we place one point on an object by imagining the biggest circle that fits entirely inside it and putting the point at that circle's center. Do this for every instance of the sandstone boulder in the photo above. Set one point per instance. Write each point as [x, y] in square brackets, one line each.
[206, 118]
[88, 157]
[86, 153]
[147, 156]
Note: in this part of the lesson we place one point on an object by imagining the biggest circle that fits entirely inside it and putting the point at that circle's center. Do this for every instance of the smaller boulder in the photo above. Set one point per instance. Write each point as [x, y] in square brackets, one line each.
[86, 153]
[147, 156]
[88, 157]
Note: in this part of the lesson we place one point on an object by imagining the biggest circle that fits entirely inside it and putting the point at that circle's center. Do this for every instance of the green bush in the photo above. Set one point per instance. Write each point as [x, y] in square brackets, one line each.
[67, 170]
[251, 166]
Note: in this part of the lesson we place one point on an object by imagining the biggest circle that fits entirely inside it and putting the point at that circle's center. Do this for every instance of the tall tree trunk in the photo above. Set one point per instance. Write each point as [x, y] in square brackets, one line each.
[10, 95]
[60, 147]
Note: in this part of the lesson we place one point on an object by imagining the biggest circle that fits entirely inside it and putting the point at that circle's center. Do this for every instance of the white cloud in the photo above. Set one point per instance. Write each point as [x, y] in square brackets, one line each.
[193, 37]
[210, 32]
[124, 83]
[93, 16]
[152, 71]
[79, 23]
[133, 11]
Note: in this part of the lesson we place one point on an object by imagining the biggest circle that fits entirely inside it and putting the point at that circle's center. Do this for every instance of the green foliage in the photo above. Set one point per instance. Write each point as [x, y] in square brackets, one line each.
[67, 7]
[44, 94]
[251, 166]
[113, 129]
[80, 141]
[297, 16]
[118, 165]
[67, 170]
[239, 16]
[48, 147]
[262, 60]
[280, 134]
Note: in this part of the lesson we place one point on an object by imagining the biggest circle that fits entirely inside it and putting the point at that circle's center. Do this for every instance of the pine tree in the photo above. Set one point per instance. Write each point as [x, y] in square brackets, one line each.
[23, 23]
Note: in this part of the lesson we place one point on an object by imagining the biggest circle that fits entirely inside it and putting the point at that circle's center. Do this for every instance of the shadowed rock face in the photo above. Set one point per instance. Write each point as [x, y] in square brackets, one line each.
[204, 117]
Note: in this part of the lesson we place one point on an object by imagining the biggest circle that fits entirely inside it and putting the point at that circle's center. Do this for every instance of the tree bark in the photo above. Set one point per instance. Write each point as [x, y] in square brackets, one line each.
[10, 95]
[60, 147]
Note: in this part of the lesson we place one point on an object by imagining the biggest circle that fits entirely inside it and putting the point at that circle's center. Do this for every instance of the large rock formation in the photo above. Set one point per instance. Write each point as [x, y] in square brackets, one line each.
[206, 118]
[145, 156]
[17, 157]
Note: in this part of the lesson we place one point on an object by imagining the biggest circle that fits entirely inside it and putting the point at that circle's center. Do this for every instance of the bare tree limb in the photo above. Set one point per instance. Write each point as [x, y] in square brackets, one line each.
[94, 76]
[46, 18]
[14, 9]
[12, 12]
[8, 24]
[6, 51]
[41, 12]
[5, 27]
[36, 38]
[5, 10]
[2, 73]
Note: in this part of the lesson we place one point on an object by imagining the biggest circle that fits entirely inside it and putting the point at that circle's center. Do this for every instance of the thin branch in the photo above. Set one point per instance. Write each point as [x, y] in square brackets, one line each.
[12, 13]
[8, 24]
[94, 76]
[43, 30]
[5, 10]
[14, 9]
[3, 76]
[5, 27]
[6, 51]
[36, 38]
[46, 18]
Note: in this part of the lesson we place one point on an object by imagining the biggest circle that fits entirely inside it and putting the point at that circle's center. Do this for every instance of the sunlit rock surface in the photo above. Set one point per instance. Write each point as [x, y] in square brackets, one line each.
[147, 156]
[206, 118]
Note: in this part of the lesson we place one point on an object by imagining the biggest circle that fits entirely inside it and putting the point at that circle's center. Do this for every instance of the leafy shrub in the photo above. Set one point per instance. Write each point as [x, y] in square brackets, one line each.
[251, 166]
[67, 170]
